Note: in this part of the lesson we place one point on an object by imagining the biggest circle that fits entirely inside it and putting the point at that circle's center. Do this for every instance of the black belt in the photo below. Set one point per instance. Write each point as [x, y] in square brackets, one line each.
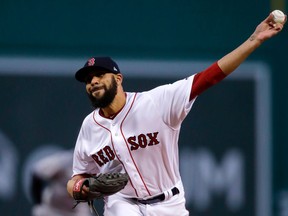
[158, 198]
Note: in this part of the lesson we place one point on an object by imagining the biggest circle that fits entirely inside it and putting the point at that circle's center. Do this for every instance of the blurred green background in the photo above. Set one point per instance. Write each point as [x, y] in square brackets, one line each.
[157, 30]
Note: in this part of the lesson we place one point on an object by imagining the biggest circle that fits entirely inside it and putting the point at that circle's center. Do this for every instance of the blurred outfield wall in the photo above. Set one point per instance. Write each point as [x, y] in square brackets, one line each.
[163, 30]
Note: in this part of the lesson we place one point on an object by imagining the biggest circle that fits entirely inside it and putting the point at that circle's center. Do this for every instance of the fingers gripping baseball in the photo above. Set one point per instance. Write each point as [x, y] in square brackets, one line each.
[271, 26]
[87, 189]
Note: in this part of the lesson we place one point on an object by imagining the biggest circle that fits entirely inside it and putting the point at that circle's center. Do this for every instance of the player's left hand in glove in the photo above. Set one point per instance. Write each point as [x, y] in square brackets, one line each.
[87, 189]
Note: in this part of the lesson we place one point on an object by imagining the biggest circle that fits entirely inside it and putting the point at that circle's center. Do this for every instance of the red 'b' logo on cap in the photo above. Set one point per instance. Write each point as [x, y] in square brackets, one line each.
[91, 62]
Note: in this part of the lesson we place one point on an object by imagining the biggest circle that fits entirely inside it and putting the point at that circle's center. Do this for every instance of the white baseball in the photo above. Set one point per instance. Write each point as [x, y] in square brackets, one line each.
[279, 16]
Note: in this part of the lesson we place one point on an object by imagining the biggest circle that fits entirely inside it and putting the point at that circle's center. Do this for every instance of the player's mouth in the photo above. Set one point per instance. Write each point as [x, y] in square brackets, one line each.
[96, 89]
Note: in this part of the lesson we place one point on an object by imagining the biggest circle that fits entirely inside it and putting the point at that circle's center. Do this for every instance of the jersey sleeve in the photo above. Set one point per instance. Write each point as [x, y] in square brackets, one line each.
[173, 101]
[82, 163]
[206, 79]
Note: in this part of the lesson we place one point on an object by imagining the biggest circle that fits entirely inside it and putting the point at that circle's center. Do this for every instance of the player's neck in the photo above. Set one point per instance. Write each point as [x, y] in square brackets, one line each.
[115, 107]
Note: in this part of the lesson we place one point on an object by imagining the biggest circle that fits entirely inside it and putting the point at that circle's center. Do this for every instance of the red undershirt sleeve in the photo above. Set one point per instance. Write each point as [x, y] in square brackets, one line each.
[205, 79]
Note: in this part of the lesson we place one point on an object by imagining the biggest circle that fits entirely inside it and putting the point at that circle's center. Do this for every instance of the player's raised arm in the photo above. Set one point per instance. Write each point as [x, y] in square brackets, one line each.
[226, 65]
[265, 30]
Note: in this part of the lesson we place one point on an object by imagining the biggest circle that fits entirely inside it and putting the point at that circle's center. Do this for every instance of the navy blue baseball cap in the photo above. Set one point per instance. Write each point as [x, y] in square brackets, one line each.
[97, 64]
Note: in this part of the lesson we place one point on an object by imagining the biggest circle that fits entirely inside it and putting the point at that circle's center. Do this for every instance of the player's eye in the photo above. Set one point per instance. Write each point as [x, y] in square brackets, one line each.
[89, 78]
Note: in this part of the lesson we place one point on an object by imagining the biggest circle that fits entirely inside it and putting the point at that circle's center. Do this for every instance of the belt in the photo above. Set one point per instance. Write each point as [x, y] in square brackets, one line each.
[158, 198]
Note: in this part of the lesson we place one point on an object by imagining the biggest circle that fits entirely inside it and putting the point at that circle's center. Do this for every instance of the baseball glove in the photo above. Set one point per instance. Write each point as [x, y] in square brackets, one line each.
[99, 186]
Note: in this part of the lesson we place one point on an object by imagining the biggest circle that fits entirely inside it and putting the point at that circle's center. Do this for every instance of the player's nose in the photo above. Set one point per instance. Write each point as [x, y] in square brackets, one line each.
[95, 80]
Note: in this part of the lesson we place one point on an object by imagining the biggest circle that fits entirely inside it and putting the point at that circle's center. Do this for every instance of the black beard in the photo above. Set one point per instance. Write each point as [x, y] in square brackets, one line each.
[108, 96]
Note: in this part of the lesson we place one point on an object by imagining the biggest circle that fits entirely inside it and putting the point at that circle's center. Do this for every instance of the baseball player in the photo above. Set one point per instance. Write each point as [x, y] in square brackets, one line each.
[137, 132]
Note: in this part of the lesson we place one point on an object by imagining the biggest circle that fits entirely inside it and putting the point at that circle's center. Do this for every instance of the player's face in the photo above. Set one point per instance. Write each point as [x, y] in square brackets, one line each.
[101, 89]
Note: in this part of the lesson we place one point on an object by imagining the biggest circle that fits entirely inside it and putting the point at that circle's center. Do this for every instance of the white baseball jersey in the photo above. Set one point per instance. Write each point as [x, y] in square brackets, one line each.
[142, 140]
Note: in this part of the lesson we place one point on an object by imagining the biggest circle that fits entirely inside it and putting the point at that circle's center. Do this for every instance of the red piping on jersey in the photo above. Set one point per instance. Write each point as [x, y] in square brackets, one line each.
[114, 148]
[100, 124]
[130, 151]
[206, 79]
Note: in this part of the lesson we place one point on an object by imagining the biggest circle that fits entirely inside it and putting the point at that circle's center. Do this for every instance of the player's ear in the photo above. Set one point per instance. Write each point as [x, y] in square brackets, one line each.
[119, 78]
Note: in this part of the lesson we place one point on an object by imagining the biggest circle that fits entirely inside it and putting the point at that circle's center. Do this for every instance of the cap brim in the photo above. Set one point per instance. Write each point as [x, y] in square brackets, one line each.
[83, 72]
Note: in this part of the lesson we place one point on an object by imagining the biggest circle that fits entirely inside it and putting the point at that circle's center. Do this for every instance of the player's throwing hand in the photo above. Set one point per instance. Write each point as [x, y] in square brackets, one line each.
[268, 28]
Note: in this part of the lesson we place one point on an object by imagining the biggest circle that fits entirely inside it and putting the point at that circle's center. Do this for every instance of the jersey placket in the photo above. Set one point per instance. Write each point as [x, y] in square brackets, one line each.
[123, 153]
